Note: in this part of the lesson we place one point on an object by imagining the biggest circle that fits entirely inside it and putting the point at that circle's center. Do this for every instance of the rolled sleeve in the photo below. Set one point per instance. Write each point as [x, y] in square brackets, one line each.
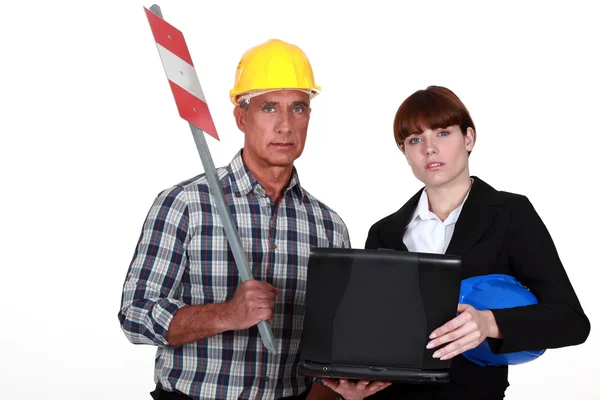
[150, 291]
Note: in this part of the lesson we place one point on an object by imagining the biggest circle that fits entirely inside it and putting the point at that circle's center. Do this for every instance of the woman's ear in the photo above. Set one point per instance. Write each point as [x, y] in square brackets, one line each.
[470, 139]
[401, 145]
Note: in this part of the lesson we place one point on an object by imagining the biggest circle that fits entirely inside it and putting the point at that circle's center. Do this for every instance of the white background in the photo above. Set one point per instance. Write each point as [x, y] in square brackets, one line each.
[90, 134]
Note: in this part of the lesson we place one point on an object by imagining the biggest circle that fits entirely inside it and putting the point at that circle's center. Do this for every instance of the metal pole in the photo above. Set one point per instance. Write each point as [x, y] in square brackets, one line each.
[231, 232]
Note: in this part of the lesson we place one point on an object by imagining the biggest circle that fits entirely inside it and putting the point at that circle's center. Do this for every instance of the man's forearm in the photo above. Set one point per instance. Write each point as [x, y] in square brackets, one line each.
[192, 323]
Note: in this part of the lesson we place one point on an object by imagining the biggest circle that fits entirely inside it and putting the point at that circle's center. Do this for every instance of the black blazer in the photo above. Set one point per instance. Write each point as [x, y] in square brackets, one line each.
[498, 233]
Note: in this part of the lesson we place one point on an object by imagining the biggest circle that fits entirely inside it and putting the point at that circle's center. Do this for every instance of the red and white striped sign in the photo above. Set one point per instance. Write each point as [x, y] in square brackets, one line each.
[181, 73]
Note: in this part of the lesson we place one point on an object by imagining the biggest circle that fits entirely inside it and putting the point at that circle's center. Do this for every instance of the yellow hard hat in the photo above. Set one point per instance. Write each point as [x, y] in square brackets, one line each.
[273, 65]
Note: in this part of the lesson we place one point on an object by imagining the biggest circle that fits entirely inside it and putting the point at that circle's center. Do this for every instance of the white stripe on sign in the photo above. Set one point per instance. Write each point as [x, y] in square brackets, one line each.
[180, 72]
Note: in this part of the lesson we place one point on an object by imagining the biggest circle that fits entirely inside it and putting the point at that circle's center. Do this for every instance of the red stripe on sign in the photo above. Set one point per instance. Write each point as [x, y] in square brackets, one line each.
[168, 36]
[193, 110]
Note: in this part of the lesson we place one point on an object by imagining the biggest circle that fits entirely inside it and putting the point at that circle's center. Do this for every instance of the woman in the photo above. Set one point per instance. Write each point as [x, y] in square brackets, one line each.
[494, 232]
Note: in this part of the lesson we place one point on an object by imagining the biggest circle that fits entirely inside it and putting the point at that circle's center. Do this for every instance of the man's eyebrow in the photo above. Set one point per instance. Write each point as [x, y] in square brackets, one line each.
[276, 103]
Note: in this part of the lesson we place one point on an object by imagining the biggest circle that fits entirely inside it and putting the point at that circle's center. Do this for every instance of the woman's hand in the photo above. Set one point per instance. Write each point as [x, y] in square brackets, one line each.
[465, 332]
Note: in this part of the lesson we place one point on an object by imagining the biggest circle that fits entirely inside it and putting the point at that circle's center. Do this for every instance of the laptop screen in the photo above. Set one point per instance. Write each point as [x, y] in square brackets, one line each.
[376, 308]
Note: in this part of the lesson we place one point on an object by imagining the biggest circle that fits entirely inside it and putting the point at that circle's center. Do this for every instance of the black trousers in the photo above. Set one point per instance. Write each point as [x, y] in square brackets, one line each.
[160, 394]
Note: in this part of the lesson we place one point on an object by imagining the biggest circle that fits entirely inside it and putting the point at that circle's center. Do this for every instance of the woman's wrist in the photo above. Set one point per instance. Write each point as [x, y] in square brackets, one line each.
[494, 331]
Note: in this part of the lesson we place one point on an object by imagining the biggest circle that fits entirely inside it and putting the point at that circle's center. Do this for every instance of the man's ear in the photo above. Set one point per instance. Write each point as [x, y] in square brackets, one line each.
[240, 118]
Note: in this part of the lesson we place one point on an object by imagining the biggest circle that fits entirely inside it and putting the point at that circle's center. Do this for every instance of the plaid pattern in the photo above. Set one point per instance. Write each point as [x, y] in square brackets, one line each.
[182, 258]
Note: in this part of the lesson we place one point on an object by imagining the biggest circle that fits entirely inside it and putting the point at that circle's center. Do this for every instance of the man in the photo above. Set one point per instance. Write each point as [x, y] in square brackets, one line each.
[183, 292]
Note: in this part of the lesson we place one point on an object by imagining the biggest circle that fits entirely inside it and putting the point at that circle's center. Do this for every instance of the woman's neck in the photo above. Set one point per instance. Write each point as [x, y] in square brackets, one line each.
[445, 199]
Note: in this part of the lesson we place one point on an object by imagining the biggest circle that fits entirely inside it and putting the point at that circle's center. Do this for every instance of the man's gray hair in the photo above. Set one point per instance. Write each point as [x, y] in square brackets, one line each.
[244, 104]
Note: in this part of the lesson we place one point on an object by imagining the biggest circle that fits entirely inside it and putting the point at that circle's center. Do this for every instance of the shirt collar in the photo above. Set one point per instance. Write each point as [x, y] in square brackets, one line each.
[422, 210]
[243, 182]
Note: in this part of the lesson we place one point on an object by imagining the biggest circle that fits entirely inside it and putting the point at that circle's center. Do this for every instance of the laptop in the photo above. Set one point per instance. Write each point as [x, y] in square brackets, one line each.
[369, 314]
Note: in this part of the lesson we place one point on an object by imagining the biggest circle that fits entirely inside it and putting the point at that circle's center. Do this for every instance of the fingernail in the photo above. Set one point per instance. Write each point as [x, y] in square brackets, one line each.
[444, 358]
[432, 336]
[430, 345]
[436, 354]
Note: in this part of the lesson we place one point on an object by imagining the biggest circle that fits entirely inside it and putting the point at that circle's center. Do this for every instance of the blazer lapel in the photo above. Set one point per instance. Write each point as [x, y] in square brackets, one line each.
[392, 232]
[475, 218]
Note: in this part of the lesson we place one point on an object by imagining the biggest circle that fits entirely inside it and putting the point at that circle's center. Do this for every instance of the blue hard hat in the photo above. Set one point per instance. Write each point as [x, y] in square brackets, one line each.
[488, 292]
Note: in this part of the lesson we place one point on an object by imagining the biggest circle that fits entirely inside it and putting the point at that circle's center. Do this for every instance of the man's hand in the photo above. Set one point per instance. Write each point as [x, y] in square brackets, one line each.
[464, 332]
[354, 390]
[253, 302]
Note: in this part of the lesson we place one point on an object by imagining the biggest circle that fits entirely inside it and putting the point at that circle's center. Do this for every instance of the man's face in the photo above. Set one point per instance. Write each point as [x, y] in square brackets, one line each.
[275, 127]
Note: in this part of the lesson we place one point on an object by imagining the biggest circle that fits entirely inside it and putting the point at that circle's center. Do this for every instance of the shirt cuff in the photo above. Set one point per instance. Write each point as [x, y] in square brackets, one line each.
[161, 316]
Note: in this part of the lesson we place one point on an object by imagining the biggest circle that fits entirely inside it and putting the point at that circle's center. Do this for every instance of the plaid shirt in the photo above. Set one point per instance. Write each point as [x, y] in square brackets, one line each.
[182, 258]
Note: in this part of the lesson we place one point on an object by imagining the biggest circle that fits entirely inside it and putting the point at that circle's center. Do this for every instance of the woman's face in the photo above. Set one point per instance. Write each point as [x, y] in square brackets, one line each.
[439, 157]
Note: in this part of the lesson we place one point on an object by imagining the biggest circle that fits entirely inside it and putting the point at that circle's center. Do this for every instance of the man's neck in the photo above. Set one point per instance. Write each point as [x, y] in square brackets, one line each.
[274, 179]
